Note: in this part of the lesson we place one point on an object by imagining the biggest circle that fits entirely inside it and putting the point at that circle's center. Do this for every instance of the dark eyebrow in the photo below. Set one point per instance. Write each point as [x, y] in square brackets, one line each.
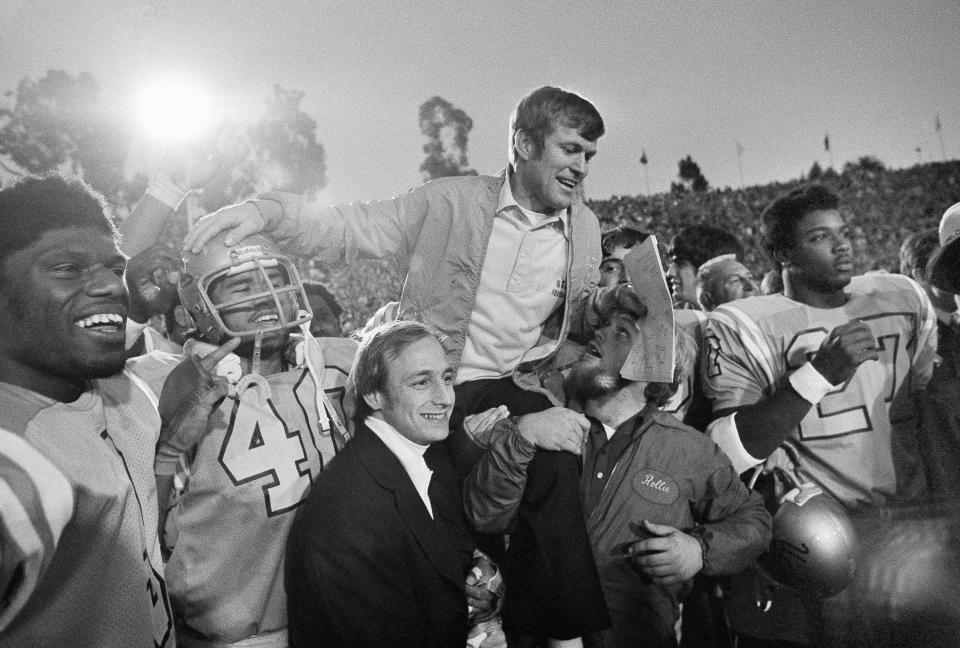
[428, 372]
[235, 280]
[83, 257]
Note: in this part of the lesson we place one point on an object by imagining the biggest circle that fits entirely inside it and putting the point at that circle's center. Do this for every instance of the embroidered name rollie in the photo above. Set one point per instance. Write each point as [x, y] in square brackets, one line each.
[655, 486]
[660, 484]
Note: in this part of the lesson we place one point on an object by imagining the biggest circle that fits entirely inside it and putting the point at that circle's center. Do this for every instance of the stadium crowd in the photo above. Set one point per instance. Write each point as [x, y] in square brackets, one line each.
[887, 205]
[536, 436]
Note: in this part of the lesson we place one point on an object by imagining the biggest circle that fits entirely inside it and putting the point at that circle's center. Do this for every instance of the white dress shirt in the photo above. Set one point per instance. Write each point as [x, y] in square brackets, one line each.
[409, 454]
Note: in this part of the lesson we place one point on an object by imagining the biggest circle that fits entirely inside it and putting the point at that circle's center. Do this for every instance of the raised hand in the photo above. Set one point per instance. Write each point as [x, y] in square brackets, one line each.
[843, 350]
[152, 277]
[480, 424]
[557, 428]
[243, 219]
[189, 395]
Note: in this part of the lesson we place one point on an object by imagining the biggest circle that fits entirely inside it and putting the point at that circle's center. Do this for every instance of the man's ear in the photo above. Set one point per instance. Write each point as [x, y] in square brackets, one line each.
[706, 301]
[781, 257]
[374, 401]
[524, 145]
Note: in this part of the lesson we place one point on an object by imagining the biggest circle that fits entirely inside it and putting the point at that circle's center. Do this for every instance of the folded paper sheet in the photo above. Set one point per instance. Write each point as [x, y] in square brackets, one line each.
[652, 357]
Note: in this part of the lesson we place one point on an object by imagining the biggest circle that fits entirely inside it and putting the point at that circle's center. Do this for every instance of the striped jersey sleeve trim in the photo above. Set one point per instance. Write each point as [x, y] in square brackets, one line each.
[144, 387]
[55, 492]
[23, 559]
[36, 503]
[750, 336]
[28, 498]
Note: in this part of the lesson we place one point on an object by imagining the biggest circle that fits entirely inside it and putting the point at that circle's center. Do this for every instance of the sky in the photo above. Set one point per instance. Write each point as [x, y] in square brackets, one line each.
[670, 78]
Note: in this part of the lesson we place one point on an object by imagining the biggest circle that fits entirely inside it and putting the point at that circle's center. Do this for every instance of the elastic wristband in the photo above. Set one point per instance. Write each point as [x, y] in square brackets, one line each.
[166, 190]
[725, 434]
[810, 384]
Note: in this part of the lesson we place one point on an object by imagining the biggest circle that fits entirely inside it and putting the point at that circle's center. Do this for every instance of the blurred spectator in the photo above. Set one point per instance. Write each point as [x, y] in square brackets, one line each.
[941, 404]
[691, 248]
[618, 241]
[612, 272]
[721, 280]
[944, 264]
[326, 310]
[615, 244]
[887, 206]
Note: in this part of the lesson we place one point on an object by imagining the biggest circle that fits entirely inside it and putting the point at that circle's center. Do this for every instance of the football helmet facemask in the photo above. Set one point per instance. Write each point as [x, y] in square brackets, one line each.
[282, 294]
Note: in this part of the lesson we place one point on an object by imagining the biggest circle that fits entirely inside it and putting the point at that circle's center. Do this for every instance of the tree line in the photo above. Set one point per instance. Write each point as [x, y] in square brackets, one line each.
[59, 122]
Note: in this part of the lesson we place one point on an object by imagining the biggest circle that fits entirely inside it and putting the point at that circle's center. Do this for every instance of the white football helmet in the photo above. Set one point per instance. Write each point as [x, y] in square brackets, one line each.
[814, 548]
[216, 261]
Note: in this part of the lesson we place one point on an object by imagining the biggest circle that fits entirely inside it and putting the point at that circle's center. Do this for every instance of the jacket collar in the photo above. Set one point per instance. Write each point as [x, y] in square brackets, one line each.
[636, 425]
[643, 420]
[388, 472]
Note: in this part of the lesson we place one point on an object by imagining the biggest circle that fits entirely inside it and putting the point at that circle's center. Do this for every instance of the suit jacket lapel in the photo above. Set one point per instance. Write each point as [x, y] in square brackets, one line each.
[387, 470]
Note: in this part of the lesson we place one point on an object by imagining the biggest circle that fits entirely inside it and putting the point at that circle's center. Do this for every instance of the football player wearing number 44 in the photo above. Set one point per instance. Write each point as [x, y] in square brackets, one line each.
[833, 363]
[254, 454]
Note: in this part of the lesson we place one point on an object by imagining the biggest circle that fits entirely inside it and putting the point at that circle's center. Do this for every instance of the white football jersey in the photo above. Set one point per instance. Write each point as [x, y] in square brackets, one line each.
[851, 439]
[248, 476]
[80, 560]
[691, 321]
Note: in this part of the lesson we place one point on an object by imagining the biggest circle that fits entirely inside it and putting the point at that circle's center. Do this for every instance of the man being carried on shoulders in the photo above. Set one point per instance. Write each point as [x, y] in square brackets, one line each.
[506, 267]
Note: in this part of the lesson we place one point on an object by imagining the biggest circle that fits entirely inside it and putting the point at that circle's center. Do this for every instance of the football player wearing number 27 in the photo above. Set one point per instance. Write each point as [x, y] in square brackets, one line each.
[264, 421]
[833, 363]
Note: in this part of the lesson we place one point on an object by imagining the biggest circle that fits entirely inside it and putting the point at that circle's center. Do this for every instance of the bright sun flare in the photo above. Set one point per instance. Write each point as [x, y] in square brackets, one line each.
[174, 111]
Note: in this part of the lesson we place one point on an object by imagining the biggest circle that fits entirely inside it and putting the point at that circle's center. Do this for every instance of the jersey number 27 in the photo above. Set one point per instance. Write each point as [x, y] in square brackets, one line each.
[849, 408]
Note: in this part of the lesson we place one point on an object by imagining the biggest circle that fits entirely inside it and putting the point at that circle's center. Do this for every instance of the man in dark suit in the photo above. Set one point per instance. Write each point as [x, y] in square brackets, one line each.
[380, 550]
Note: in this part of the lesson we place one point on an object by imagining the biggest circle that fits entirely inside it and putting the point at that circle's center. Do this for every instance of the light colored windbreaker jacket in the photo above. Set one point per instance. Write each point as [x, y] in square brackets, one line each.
[440, 232]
